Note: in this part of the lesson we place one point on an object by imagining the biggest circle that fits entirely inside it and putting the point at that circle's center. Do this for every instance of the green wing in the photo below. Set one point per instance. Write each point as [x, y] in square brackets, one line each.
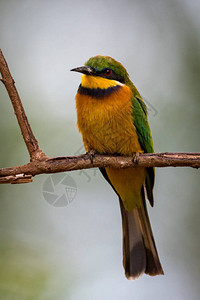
[144, 136]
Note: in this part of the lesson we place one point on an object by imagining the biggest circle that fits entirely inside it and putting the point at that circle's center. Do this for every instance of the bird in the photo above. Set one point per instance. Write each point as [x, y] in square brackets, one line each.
[112, 119]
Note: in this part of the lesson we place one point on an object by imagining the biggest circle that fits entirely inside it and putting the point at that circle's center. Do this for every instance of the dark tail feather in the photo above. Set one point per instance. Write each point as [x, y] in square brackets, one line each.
[139, 249]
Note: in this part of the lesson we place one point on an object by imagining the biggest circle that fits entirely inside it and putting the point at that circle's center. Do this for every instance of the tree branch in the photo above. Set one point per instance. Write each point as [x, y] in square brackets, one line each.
[41, 164]
[63, 164]
[28, 136]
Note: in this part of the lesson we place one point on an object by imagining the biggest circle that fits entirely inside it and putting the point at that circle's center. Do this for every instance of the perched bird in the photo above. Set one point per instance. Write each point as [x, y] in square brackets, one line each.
[112, 118]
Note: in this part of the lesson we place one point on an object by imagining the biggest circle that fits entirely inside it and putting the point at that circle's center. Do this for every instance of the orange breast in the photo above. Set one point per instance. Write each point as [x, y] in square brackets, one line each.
[106, 124]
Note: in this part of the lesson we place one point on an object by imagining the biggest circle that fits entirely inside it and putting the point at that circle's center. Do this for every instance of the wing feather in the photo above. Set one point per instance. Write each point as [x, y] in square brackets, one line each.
[144, 135]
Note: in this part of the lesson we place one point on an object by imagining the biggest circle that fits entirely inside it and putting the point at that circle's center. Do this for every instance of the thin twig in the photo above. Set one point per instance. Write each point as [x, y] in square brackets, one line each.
[20, 178]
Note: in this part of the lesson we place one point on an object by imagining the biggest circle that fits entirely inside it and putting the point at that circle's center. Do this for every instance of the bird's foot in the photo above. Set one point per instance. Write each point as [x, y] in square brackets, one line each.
[135, 158]
[91, 154]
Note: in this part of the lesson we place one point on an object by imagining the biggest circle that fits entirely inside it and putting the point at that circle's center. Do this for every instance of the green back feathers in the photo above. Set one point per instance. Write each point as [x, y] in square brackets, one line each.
[141, 123]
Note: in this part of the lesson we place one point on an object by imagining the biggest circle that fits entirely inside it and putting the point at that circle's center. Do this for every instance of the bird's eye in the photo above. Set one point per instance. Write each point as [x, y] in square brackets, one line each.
[108, 72]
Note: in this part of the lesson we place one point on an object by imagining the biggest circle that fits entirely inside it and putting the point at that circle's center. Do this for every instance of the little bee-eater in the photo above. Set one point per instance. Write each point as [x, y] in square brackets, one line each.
[112, 118]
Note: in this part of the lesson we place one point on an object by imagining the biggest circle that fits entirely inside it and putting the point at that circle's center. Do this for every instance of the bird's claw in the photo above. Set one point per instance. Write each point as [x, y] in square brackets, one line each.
[91, 155]
[135, 158]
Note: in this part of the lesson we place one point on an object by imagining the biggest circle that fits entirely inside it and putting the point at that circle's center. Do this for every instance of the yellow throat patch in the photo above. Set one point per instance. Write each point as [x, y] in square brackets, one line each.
[94, 82]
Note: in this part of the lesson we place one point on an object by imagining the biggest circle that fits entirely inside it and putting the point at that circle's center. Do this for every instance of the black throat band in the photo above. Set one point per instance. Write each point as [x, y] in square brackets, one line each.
[98, 93]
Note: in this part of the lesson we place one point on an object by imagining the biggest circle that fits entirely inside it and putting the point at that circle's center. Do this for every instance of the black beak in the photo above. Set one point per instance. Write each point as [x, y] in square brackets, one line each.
[84, 70]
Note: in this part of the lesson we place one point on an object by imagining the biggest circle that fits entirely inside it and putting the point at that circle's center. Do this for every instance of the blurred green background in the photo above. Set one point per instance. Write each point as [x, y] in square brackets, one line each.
[75, 252]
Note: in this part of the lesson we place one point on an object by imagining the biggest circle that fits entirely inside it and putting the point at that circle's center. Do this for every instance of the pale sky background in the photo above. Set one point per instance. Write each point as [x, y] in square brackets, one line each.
[75, 252]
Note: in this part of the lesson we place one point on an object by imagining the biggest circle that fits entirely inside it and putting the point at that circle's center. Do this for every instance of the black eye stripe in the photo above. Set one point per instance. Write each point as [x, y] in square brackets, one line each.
[111, 75]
